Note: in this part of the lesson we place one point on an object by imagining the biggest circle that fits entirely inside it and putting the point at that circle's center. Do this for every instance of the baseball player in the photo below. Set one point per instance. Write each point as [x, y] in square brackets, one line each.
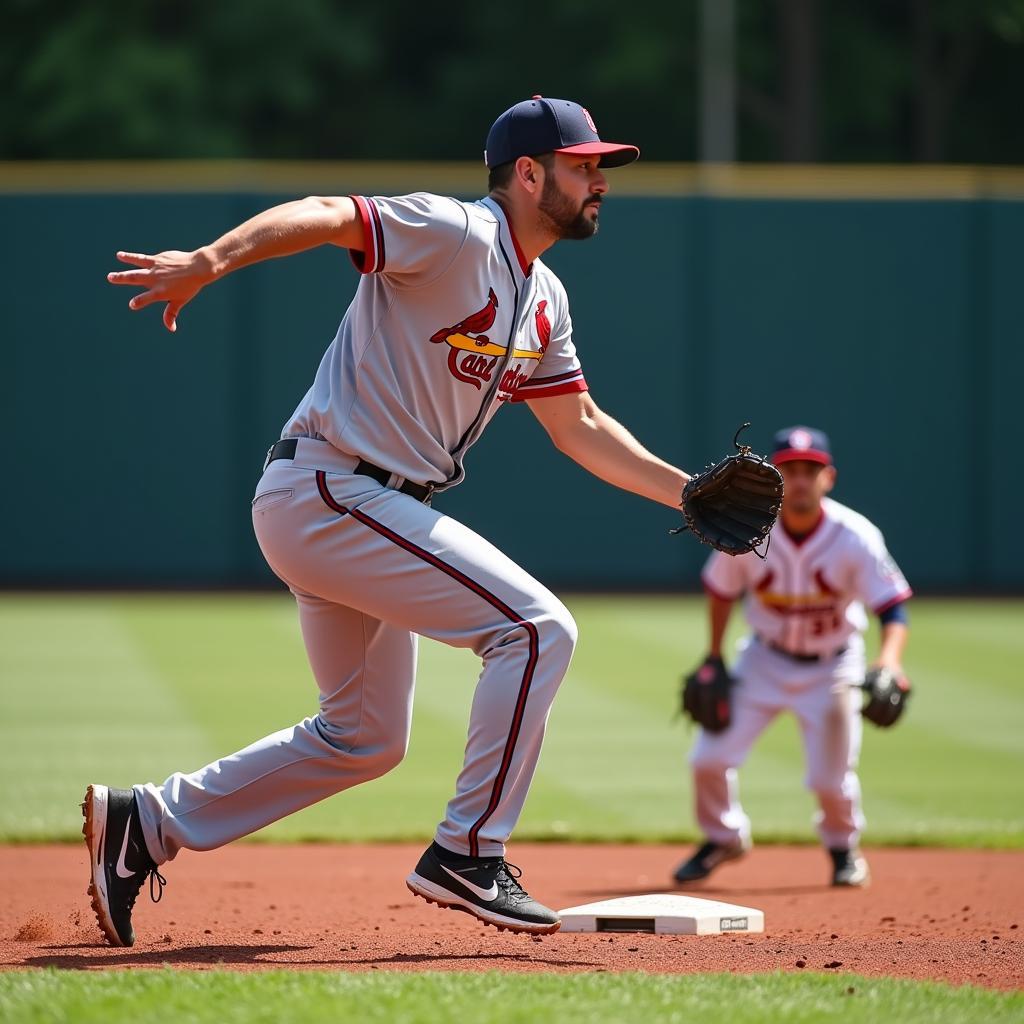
[454, 315]
[805, 605]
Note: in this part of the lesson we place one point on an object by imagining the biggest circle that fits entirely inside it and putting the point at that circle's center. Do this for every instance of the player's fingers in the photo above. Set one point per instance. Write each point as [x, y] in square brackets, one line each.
[137, 258]
[143, 300]
[171, 311]
[136, 277]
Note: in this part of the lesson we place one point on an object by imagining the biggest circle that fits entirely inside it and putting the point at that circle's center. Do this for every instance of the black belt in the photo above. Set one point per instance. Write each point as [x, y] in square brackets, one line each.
[285, 449]
[795, 656]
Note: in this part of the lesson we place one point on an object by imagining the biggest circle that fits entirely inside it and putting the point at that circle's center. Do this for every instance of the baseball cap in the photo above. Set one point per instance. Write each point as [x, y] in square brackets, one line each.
[543, 125]
[803, 443]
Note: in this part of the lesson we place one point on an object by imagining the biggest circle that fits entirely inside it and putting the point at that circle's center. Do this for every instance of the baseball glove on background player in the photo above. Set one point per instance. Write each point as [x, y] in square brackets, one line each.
[733, 505]
[887, 695]
[706, 695]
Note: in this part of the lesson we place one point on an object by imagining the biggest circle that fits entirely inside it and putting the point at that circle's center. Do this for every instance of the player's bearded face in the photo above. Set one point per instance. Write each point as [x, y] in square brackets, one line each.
[568, 217]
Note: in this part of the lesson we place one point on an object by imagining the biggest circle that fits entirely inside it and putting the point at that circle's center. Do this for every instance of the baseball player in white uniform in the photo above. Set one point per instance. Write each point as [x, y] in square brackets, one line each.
[805, 605]
[454, 316]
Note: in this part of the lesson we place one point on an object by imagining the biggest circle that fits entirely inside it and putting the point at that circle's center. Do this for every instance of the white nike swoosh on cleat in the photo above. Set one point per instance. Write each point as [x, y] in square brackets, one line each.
[484, 894]
[121, 868]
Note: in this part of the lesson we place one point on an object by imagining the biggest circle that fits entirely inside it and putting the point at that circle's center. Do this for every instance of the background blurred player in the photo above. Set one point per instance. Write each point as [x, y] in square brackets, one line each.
[805, 604]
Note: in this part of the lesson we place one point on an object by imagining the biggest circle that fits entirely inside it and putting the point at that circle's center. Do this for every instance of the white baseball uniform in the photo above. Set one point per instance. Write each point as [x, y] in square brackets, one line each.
[805, 604]
[447, 323]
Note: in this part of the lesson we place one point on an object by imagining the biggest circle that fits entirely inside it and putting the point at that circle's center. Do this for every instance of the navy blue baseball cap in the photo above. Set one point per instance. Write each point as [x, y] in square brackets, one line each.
[801, 443]
[542, 125]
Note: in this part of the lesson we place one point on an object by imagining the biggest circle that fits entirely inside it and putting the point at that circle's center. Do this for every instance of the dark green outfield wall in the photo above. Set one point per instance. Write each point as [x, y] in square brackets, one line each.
[130, 454]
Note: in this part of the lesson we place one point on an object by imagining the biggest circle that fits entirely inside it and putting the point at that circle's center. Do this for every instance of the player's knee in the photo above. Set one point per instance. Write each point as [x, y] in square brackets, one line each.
[557, 632]
[382, 758]
[549, 635]
[374, 759]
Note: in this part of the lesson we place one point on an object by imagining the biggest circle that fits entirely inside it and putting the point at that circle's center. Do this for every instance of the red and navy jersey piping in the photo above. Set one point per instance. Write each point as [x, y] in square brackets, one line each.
[495, 602]
[371, 259]
[547, 387]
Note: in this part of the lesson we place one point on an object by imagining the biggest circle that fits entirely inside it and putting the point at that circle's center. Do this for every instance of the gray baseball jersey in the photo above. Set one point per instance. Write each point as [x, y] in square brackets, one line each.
[447, 323]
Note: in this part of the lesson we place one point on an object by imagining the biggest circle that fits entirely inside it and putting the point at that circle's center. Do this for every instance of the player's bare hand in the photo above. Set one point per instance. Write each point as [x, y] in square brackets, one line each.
[171, 277]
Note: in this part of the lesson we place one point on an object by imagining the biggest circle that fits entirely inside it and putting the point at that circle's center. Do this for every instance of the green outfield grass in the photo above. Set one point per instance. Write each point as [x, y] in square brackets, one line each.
[127, 688]
[222, 997]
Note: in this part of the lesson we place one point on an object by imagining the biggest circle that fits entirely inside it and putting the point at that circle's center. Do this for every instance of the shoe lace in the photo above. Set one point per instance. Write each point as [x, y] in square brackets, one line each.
[508, 879]
[156, 886]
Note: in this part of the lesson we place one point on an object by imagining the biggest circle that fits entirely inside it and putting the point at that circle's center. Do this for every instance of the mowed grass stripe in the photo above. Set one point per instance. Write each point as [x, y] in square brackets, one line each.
[80, 702]
[128, 688]
[961, 714]
[250, 659]
[627, 741]
[223, 997]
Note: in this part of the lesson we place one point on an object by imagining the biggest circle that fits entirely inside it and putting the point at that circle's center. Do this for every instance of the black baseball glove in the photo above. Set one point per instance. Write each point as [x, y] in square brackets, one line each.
[886, 694]
[733, 505]
[706, 695]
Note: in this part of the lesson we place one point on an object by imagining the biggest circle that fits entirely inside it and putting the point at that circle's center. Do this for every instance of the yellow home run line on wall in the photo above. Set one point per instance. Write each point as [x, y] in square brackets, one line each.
[797, 181]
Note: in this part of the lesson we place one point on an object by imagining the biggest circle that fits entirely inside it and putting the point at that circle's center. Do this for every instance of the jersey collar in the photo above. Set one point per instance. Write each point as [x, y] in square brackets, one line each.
[799, 540]
[507, 235]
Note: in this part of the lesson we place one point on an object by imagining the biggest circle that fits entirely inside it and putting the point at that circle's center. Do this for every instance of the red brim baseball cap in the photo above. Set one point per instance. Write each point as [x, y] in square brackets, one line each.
[543, 125]
[799, 455]
[612, 154]
[801, 444]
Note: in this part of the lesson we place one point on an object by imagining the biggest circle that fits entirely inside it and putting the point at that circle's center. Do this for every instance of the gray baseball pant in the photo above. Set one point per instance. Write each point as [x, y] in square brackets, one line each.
[370, 568]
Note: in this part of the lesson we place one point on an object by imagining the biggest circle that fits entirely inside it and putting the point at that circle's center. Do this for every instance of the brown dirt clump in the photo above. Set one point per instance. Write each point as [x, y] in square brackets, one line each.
[37, 928]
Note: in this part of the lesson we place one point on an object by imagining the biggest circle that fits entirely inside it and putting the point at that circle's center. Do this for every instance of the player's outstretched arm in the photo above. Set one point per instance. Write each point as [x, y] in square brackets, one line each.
[602, 446]
[175, 278]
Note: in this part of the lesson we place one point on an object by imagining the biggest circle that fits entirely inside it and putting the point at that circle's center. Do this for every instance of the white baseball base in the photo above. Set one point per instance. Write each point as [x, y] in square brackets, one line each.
[662, 914]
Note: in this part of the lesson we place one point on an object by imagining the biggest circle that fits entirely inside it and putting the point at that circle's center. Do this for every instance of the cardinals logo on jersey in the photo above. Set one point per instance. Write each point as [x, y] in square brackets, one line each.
[543, 325]
[818, 606]
[473, 356]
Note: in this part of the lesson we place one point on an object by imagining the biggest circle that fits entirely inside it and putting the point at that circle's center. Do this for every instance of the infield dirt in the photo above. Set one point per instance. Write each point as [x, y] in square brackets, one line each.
[950, 915]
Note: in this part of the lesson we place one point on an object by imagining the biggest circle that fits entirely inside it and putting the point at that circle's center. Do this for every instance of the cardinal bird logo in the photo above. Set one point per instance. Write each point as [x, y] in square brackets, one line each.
[543, 325]
[481, 321]
[473, 356]
[475, 367]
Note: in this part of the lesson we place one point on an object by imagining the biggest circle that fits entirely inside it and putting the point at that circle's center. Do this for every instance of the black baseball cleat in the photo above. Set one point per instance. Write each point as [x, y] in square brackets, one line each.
[119, 861]
[849, 868]
[486, 887]
[708, 857]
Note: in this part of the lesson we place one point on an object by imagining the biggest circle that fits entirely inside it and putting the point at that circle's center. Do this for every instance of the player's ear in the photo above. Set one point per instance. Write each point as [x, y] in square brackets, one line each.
[526, 172]
[829, 477]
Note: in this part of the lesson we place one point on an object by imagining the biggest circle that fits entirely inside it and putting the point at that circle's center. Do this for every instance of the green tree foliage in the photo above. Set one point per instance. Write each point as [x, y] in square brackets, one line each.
[819, 79]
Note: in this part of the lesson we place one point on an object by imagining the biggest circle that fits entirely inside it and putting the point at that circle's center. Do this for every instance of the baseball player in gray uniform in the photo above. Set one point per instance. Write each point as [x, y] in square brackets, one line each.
[455, 314]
